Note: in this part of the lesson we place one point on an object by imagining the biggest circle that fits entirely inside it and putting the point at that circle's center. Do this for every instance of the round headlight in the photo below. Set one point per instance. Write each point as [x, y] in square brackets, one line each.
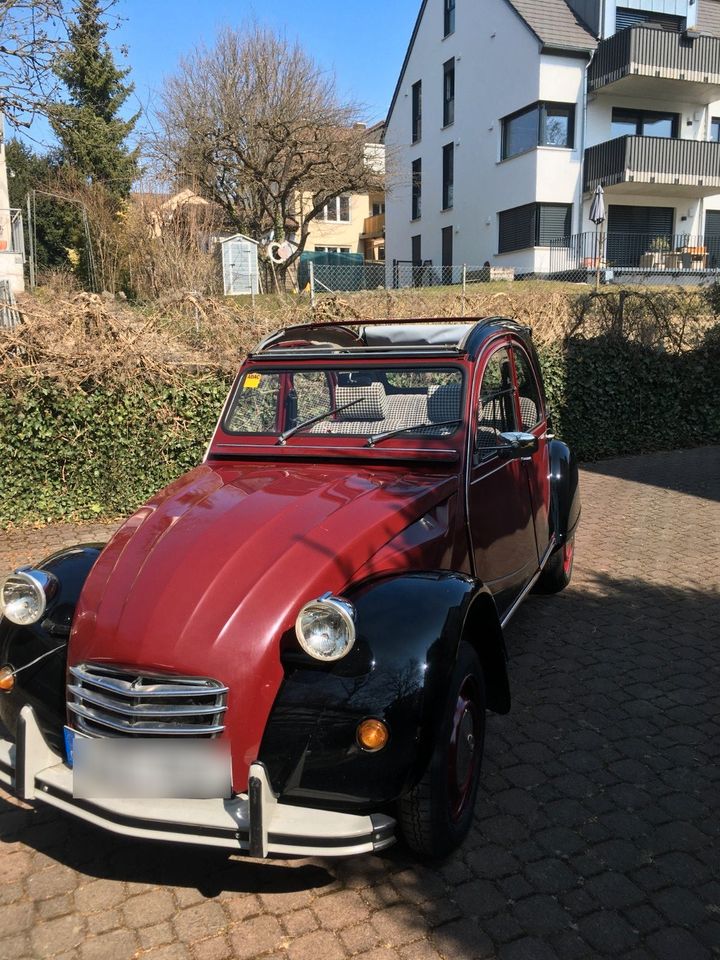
[325, 628]
[24, 595]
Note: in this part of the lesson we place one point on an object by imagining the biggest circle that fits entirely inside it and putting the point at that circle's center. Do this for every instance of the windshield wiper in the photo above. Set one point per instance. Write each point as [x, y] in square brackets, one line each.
[376, 437]
[308, 423]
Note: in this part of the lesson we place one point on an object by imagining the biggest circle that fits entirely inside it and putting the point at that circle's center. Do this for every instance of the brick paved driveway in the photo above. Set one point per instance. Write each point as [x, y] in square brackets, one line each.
[596, 832]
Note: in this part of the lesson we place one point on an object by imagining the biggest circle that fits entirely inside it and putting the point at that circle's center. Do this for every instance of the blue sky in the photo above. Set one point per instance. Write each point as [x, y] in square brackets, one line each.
[364, 43]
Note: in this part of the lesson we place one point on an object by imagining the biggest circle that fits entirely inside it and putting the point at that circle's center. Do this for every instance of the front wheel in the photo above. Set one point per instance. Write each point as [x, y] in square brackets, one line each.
[557, 572]
[436, 815]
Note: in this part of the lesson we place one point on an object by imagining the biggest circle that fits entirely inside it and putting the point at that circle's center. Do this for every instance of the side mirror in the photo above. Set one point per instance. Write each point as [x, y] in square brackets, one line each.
[517, 445]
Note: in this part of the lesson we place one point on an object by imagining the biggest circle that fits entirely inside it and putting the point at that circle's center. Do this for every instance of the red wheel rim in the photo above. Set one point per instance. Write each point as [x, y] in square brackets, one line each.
[568, 556]
[465, 748]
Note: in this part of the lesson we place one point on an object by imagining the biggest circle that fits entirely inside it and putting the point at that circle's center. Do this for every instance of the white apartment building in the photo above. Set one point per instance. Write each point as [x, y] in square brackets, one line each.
[12, 248]
[508, 113]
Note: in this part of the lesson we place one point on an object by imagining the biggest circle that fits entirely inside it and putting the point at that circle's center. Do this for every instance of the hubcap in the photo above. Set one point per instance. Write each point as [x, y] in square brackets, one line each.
[463, 755]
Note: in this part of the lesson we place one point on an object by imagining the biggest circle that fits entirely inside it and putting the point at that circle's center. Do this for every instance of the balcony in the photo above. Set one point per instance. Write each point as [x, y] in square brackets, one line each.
[654, 166]
[11, 232]
[646, 62]
[373, 227]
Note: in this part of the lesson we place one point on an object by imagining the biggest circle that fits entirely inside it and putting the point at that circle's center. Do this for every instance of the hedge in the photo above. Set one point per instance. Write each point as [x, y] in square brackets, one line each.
[100, 452]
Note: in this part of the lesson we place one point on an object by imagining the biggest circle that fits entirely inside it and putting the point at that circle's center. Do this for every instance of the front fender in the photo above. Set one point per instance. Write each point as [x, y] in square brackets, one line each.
[564, 491]
[408, 630]
[43, 685]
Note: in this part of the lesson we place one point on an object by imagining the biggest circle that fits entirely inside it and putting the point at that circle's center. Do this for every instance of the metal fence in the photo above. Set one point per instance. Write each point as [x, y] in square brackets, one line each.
[9, 313]
[636, 257]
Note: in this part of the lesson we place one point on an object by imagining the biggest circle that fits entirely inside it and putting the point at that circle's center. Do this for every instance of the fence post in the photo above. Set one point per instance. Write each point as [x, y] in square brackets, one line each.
[31, 244]
[311, 267]
[464, 286]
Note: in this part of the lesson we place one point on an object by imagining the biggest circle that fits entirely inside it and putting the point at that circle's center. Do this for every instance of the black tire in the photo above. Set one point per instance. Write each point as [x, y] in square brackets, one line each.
[436, 815]
[558, 570]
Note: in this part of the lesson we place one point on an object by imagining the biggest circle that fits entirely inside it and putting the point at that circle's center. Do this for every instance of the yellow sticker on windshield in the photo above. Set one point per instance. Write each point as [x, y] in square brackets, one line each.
[252, 381]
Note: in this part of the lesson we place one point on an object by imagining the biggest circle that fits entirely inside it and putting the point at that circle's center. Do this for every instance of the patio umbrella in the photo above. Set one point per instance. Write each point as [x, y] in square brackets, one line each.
[597, 216]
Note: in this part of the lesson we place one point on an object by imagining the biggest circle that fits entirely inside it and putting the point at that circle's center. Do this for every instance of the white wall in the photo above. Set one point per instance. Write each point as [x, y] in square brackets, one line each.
[498, 69]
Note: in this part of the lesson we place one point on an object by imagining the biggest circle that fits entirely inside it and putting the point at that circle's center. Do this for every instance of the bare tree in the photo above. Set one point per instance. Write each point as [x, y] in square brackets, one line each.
[32, 33]
[257, 126]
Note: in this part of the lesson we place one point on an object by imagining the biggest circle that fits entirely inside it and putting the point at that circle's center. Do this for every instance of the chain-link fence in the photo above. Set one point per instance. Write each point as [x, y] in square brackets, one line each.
[594, 259]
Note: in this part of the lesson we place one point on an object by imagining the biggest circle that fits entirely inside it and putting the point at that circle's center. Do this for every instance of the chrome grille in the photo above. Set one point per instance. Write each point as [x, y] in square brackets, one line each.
[107, 702]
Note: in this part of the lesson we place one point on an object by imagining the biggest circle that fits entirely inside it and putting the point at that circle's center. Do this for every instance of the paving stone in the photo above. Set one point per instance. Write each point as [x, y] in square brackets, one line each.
[674, 943]
[528, 948]
[255, 936]
[148, 908]
[343, 909]
[608, 933]
[55, 936]
[199, 922]
[118, 945]
[464, 940]
[312, 946]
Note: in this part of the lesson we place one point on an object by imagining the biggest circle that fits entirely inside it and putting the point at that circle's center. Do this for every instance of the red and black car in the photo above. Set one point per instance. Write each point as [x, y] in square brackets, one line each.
[291, 649]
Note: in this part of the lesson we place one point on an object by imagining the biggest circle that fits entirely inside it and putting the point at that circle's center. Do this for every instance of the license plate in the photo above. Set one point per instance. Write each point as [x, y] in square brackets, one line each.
[120, 768]
[69, 736]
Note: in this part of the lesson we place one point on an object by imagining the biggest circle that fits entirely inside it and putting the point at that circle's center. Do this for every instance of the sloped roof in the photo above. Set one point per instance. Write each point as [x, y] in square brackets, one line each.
[551, 21]
[554, 24]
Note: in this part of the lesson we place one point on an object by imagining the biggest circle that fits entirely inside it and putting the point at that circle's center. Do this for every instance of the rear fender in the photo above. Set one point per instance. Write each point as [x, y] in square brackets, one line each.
[408, 631]
[564, 492]
[43, 685]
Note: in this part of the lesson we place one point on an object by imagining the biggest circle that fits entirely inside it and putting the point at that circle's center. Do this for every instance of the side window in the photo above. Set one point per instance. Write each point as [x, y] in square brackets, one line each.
[530, 405]
[496, 409]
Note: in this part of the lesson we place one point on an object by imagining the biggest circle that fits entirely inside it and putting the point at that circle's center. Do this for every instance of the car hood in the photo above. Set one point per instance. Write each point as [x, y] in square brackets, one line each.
[206, 577]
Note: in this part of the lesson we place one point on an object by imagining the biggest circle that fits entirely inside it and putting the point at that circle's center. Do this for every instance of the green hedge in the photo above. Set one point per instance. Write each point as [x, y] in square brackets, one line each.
[101, 452]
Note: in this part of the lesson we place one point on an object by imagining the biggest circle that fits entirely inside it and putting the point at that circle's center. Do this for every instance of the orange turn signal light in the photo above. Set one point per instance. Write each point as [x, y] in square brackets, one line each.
[372, 735]
[7, 679]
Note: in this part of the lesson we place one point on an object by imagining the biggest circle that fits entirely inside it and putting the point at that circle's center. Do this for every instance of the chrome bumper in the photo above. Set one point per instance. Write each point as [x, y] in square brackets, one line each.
[255, 823]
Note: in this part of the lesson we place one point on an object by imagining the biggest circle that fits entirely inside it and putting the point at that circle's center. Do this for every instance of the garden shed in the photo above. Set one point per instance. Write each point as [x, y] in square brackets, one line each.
[239, 265]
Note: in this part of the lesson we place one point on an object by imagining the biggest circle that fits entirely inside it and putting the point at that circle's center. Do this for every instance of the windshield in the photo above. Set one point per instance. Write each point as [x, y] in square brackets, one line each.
[347, 402]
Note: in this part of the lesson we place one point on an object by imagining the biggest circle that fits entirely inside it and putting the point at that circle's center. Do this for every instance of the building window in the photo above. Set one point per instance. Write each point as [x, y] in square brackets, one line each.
[416, 248]
[336, 211]
[541, 124]
[533, 225]
[715, 129]
[378, 208]
[449, 92]
[416, 111]
[449, 18]
[448, 175]
[416, 189]
[644, 123]
[332, 249]
[447, 251]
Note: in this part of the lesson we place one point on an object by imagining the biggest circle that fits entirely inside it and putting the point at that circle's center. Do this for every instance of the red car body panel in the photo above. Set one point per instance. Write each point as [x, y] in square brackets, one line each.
[235, 549]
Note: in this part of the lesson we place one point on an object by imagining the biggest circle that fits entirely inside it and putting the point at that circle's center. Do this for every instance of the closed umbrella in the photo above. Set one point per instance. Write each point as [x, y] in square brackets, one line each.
[597, 216]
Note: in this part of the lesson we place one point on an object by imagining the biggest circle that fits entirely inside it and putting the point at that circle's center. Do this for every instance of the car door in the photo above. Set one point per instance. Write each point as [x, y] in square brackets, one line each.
[499, 505]
[533, 419]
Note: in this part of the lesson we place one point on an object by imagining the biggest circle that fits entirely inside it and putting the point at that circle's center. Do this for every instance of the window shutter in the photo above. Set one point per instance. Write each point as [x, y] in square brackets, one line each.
[554, 222]
[517, 228]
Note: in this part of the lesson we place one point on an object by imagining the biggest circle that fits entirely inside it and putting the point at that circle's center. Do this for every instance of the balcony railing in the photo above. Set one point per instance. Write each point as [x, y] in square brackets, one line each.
[657, 160]
[374, 226]
[648, 52]
[644, 252]
[12, 239]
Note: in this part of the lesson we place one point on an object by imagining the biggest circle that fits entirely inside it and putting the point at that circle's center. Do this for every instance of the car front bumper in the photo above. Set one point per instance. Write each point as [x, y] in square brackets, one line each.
[255, 823]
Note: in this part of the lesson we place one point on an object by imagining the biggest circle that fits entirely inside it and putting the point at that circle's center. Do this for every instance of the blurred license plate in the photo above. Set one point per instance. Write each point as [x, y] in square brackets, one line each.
[121, 768]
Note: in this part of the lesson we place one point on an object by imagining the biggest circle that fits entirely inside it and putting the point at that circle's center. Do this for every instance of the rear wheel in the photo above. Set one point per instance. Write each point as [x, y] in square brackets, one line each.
[558, 570]
[436, 815]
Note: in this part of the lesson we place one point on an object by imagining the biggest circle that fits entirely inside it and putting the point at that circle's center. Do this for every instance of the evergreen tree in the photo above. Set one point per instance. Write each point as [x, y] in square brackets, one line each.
[92, 135]
[58, 226]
